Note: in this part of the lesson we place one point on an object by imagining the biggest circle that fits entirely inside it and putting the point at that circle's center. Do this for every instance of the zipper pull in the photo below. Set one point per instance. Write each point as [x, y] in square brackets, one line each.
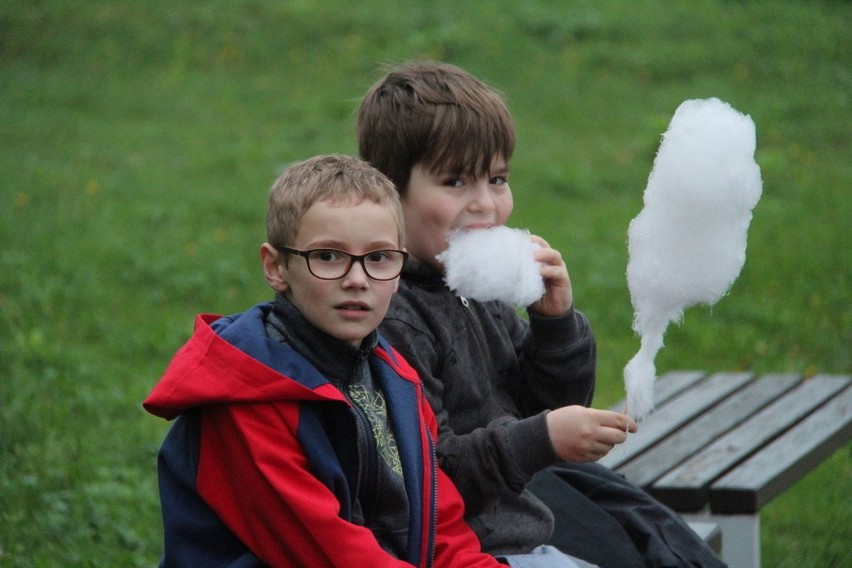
[464, 301]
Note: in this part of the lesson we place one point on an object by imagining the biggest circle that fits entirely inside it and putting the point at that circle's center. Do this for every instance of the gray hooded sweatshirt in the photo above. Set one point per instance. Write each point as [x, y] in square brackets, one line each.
[491, 377]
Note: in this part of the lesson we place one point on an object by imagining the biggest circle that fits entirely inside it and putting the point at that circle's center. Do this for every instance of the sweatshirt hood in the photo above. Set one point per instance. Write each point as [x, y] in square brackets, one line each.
[231, 360]
[422, 274]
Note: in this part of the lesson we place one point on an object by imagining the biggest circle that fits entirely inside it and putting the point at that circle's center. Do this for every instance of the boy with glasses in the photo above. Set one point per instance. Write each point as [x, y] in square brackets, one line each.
[302, 438]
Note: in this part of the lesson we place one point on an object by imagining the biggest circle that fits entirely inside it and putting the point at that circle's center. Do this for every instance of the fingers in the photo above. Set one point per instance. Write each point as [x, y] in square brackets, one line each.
[619, 421]
[607, 440]
[551, 259]
[613, 430]
[584, 434]
[559, 295]
[547, 255]
[615, 420]
[605, 444]
[539, 241]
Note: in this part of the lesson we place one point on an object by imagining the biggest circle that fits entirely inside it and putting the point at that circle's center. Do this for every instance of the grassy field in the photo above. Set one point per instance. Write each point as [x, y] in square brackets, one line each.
[138, 140]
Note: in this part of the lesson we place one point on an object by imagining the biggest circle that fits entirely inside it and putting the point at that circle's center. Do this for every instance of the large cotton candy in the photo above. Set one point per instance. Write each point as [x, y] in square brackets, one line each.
[687, 245]
[493, 264]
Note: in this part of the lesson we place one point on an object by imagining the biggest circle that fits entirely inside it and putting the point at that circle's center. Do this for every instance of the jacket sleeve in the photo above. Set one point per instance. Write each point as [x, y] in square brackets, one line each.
[253, 474]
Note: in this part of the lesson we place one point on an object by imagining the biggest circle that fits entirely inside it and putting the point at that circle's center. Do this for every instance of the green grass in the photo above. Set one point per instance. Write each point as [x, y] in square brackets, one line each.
[137, 142]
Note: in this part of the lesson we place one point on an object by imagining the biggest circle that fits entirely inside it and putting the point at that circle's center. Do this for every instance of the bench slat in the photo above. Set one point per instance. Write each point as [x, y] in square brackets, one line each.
[677, 448]
[667, 386]
[688, 484]
[676, 412]
[783, 462]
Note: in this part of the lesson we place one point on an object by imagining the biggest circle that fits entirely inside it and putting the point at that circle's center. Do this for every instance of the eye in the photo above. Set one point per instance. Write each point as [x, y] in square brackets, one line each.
[378, 256]
[326, 255]
[498, 180]
[453, 182]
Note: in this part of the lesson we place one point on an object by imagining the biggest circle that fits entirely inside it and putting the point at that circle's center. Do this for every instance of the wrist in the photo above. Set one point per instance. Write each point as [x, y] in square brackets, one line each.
[532, 448]
[554, 332]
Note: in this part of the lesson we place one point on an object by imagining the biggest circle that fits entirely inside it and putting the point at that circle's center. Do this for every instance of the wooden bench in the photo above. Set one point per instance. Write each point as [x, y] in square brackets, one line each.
[721, 446]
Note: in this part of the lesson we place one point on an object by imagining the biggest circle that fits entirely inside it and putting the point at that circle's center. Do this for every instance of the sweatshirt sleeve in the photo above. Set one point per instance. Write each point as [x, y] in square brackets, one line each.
[254, 475]
[557, 358]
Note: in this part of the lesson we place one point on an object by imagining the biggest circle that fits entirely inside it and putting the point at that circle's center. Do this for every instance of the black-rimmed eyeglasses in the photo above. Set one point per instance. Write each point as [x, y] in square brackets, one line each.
[331, 264]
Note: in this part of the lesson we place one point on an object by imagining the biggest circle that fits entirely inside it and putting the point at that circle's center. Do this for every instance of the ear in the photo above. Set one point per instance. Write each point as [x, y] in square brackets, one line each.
[276, 275]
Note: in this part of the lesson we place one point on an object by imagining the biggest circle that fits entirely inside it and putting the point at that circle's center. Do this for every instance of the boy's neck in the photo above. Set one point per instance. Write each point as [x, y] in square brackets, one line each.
[331, 356]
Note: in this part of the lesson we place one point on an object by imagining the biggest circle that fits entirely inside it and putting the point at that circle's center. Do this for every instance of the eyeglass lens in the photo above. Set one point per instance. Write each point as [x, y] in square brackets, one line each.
[332, 264]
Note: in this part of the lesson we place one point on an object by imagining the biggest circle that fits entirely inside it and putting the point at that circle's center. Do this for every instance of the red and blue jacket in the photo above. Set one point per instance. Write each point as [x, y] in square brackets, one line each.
[260, 467]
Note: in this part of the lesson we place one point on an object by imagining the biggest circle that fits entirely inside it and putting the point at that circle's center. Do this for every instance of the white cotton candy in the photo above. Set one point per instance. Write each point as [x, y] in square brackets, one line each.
[687, 245]
[493, 264]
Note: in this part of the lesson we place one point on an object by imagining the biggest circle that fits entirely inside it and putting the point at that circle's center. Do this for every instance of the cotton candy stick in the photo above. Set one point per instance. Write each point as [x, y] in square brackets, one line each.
[687, 245]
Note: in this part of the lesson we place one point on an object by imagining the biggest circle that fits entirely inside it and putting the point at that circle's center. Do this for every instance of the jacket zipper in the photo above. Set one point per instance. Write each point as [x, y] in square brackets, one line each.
[433, 514]
[363, 432]
[480, 333]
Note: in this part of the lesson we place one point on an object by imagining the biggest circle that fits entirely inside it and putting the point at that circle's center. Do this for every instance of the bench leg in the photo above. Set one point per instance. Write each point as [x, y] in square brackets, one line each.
[740, 537]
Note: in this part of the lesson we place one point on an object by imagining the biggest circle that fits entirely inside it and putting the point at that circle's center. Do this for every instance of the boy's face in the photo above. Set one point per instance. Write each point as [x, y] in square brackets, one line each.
[437, 203]
[350, 307]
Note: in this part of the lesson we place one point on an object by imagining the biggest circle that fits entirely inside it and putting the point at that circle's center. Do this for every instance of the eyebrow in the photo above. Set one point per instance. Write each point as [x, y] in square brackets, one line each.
[346, 247]
[499, 168]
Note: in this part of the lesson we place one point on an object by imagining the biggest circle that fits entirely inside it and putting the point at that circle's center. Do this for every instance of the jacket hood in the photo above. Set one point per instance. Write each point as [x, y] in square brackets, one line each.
[231, 359]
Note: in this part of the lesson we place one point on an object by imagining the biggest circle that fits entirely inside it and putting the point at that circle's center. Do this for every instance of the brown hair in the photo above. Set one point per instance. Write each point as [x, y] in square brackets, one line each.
[333, 177]
[436, 115]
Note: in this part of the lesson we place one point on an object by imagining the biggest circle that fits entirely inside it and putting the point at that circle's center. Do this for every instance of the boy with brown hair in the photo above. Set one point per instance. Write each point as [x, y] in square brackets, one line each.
[511, 395]
[302, 438]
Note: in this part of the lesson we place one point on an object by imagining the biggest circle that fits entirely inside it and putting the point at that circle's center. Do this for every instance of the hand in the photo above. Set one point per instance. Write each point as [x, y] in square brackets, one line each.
[583, 434]
[558, 294]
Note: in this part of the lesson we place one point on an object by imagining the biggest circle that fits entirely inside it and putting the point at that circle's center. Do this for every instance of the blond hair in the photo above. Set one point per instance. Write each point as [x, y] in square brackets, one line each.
[334, 178]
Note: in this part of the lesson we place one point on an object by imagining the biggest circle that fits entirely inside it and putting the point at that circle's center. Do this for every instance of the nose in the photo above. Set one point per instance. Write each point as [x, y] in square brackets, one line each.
[482, 198]
[356, 277]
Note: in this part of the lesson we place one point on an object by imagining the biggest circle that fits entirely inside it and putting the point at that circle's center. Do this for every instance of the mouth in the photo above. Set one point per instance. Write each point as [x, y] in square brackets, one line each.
[475, 226]
[353, 307]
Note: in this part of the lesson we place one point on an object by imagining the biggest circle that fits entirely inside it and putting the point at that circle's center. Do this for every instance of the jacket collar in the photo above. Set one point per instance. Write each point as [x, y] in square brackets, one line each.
[287, 324]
